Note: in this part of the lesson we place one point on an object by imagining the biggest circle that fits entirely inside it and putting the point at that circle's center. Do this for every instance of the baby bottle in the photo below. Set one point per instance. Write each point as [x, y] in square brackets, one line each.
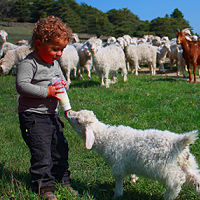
[64, 100]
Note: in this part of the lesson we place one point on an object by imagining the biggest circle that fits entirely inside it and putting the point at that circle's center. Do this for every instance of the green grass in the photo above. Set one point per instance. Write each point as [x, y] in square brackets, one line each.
[17, 31]
[142, 102]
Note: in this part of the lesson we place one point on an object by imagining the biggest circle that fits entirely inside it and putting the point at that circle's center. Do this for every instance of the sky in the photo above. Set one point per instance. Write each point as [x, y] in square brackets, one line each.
[151, 9]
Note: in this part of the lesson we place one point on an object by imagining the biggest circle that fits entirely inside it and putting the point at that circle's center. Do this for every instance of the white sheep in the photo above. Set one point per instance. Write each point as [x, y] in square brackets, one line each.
[121, 42]
[174, 48]
[142, 41]
[75, 38]
[141, 54]
[162, 52]
[176, 57]
[134, 40]
[181, 65]
[156, 41]
[149, 38]
[5, 46]
[13, 57]
[151, 153]
[69, 61]
[3, 36]
[110, 40]
[8, 46]
[22, 42]
[127, 38]
[194, 37]
[85, 60]
[165, 39]
[107, 60]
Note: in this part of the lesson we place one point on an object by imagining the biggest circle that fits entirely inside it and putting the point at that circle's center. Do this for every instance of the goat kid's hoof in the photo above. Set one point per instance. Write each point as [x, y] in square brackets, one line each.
[197, 187]
[125, 79]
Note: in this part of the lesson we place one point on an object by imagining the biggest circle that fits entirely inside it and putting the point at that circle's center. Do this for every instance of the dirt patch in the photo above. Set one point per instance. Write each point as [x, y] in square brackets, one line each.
[168, 73]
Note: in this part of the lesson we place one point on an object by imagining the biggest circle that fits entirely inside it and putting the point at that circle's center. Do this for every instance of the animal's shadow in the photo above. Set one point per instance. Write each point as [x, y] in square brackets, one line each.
[168, 75]
[84, 84]
[169, 79]
[105, 191]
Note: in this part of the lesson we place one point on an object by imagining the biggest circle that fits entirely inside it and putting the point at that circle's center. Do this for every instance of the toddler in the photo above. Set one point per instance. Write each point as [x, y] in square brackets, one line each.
[41, 127]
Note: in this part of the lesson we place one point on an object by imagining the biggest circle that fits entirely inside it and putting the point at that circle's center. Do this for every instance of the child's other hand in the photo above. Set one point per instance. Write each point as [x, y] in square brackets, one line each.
[54, 90]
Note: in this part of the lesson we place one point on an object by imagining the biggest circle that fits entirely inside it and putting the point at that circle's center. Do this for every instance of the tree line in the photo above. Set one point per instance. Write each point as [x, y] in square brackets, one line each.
[87, 19]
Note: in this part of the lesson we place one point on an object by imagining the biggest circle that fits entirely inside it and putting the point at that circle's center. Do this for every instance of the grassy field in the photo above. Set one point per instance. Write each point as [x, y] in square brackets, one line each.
[142, 102]
[17, 31]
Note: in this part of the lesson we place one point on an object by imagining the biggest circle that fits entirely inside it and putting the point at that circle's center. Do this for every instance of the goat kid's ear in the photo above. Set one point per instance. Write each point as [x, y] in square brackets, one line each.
[89, 138]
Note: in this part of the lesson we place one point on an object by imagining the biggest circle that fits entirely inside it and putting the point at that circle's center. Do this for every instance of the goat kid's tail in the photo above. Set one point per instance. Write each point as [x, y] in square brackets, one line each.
[187, 139]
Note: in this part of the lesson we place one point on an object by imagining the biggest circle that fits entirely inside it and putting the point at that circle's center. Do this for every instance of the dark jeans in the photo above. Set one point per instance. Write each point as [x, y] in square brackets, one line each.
[49, 150]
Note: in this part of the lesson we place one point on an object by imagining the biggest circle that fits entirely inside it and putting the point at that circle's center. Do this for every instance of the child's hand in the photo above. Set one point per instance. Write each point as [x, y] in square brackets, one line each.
[66, 113]
[66, 85]
[54, 90]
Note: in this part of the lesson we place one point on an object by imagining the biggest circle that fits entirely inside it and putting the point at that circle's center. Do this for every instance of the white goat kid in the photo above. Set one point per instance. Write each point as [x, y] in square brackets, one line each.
[155, 154]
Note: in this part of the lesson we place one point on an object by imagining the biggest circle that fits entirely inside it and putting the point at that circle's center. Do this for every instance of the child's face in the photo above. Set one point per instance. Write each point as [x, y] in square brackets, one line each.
[51, 50]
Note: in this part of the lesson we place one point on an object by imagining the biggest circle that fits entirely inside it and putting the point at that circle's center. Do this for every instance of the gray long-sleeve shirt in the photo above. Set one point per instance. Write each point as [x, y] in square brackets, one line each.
[33, 78]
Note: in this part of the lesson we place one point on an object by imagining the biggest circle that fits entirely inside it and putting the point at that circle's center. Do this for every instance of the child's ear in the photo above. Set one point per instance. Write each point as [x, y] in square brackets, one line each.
[38, 44]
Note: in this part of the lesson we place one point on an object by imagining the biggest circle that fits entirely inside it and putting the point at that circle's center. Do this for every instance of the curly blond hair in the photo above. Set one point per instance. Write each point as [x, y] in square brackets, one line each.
[50, 28]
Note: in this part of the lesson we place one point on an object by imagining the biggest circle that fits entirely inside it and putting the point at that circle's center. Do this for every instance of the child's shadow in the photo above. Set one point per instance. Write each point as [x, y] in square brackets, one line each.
[99, 191]
[8, 176]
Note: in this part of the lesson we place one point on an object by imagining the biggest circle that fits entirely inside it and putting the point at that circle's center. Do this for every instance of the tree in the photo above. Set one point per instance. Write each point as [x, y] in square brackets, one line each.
[99, 24]
[42, 8]
[168, 26]
[177, 14]
[87, 19]
[68, 15]
[20, 11]
[178, 21]
[143, 28]
[84, 12]
[161, 26]
[5, 7]
[94, 21]
[124, 21]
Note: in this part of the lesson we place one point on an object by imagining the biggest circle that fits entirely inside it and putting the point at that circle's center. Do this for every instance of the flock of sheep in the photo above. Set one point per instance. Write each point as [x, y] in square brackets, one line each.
[106, 59]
